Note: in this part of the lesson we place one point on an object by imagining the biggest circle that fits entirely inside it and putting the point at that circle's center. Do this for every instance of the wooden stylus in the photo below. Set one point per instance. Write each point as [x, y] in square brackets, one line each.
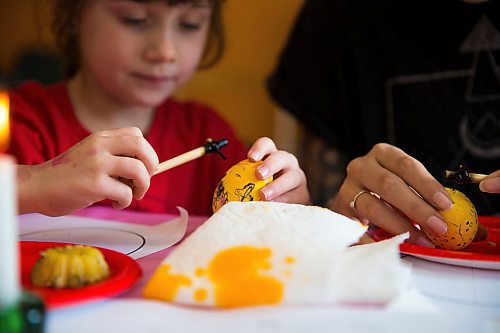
[209, 147]
[463, 176]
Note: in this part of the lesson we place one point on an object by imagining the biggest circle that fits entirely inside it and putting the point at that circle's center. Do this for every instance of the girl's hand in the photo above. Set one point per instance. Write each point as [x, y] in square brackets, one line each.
[491, 184]
[289, 183]
[395, 190]
[115, 165]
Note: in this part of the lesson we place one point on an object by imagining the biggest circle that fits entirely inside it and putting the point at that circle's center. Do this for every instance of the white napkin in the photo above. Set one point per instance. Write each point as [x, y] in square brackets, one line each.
[256, 253]
[370, 273]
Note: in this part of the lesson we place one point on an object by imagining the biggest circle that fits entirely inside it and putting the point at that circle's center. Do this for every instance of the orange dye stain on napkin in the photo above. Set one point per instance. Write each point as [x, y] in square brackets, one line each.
[200, 272]
[164, 285]
[200, 295]
[237, 279]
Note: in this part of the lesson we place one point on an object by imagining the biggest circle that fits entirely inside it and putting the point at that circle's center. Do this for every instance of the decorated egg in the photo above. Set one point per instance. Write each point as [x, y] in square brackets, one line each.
[240, 183]
[462, 223]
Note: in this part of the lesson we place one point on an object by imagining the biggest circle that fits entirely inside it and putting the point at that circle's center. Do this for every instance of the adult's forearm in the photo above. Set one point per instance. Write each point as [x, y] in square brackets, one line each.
[324, 167]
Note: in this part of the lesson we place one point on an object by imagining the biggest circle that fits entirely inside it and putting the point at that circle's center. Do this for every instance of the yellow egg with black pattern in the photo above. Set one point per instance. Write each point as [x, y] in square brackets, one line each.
[462, 223]
[240, 183]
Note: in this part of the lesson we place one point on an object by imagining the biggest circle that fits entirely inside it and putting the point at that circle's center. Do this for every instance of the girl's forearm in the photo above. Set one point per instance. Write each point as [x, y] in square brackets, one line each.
[29, 192]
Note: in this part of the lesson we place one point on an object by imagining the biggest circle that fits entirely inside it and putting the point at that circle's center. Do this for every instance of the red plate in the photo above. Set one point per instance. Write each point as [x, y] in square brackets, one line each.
[124, 273]
[485, 254]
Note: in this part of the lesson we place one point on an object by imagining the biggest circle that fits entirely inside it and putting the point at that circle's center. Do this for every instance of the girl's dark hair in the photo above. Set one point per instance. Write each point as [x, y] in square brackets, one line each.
[67, 12]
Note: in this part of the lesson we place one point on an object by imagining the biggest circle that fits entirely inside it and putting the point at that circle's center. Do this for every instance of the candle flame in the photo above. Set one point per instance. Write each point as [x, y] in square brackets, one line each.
[4, 121]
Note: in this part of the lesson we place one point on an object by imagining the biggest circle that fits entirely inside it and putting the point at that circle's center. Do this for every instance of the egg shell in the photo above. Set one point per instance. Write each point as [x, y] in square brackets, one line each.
[240, 183]
[462, 223]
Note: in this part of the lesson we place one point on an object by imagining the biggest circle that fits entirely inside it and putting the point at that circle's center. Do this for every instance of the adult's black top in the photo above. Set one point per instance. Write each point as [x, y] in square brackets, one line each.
[423, 75]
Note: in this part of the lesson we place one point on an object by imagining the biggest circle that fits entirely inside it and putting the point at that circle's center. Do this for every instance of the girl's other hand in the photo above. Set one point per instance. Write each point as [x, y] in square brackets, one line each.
[289, 183]
[115, 165]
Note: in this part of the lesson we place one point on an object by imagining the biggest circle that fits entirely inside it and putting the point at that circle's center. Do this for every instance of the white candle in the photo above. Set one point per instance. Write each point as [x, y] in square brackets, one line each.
[9, 257]
[9, 265]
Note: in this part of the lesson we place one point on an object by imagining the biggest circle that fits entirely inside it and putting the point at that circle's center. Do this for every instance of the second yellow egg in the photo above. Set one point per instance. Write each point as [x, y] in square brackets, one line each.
[462, 223]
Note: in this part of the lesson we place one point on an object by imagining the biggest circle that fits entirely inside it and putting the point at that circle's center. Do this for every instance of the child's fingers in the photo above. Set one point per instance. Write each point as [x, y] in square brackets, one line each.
[118, 192]
[262, 147]
[145, 152]
[133, 169]
[287, 182]
[136, 147]
[126, 141]
[299, 195]
[276, 164]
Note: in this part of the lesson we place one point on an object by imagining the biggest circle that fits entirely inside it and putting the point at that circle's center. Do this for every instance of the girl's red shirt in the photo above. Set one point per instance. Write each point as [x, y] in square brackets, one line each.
[44, 125]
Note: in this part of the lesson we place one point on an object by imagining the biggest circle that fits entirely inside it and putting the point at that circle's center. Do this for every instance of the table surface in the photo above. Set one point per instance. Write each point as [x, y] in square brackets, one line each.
[445, 298]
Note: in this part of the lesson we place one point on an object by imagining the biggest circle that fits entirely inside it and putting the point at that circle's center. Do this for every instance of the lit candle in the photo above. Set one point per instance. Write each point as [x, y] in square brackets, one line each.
[10, 290]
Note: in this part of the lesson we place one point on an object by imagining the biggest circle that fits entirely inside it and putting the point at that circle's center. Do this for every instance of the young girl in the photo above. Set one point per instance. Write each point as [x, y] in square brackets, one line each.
[100, 134]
